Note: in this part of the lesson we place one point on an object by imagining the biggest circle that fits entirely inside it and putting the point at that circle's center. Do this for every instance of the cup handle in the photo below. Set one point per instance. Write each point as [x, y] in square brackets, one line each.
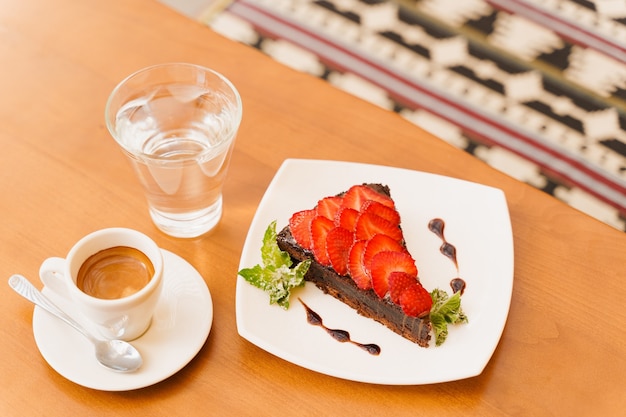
[52, 276]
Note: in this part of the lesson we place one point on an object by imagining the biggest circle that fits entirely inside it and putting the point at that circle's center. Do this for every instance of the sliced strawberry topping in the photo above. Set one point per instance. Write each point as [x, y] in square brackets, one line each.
[398, 282]
[346, 217]
[388, 213]
[415, 301]
[338, 244]
[300, 226]
[369, 224]
[379, 243]
[358, 234]
[329, 206]
[356, 268]
[359, 194]
[384, 263]
[320, 226]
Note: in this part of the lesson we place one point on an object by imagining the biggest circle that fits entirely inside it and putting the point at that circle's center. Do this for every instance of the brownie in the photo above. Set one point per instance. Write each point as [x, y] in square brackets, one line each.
[365, 302]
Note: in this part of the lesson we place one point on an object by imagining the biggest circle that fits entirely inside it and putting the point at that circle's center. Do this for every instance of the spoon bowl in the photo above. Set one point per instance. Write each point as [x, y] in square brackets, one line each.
[116, 355]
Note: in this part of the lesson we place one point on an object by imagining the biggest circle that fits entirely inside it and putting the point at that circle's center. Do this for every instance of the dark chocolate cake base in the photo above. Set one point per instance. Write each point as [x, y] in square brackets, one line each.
[366, 303]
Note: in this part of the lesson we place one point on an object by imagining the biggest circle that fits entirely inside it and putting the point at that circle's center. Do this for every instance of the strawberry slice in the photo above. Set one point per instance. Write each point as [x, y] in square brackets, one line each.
[346, 217]
[388, 213]
[415, 301]
[379, 243]
[384, 263]
[369, 224]
[320, 226]
[338, 244]
[328, 207]
[398, 282]
[300, 226]
[359, 194]
[356, 268]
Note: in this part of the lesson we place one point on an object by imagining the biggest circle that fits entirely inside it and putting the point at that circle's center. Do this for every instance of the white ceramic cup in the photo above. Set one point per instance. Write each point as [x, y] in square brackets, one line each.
[124, 318]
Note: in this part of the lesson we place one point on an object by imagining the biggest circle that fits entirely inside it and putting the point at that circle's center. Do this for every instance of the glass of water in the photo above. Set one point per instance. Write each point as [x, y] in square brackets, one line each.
[177, 124]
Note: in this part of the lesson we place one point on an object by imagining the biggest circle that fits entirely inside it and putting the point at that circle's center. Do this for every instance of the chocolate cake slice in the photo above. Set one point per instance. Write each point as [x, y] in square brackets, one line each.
[381, 300]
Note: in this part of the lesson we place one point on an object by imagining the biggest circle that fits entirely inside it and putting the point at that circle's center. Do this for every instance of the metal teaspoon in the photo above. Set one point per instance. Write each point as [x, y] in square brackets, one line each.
[117, 355]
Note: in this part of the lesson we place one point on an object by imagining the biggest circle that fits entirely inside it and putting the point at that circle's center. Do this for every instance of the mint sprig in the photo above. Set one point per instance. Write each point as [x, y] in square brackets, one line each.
[275, 276]
[445, 310]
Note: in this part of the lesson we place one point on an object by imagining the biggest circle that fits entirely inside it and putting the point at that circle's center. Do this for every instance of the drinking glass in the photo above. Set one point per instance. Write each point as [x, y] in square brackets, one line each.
[177, 124]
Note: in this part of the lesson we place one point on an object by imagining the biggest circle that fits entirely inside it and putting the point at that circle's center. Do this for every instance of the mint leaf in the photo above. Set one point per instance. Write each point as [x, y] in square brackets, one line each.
[445, 310]
[271, 254]
[275, 276]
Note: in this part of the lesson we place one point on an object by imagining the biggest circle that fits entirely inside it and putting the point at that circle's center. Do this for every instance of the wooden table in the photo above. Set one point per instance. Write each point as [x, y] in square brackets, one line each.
[563, 351]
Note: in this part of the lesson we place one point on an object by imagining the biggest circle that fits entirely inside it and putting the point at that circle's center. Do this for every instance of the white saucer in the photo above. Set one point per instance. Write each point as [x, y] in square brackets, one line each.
[180, 327]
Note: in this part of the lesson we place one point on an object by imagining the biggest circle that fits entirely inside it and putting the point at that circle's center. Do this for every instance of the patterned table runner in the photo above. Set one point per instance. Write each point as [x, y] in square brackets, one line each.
[535, 88]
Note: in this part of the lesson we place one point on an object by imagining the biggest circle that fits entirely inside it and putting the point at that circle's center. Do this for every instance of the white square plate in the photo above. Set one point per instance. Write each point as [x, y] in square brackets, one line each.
[476, 222]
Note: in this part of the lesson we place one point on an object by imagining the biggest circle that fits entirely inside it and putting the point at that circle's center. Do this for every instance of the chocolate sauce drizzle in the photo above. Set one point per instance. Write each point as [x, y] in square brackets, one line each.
[448, 250]
[342, 336]
[457, 284]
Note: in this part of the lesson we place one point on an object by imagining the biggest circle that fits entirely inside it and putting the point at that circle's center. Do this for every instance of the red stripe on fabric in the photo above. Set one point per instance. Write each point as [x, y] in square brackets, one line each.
[602, 44]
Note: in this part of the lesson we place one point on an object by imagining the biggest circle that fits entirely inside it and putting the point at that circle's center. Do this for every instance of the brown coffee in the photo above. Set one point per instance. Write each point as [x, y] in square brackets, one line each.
[115, 273]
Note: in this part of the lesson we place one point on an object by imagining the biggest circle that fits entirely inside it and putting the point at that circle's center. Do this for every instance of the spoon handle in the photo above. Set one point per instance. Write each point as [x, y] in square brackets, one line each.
[23, 287]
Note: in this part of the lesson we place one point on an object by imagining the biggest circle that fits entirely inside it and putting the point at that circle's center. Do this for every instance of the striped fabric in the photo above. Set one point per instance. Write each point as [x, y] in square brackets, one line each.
[535, 88]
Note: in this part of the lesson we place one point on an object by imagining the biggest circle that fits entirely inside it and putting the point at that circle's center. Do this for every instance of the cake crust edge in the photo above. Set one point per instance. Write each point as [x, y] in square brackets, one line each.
[366, 303]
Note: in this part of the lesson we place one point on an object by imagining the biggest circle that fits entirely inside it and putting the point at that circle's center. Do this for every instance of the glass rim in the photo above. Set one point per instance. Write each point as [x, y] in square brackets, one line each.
[110, 115]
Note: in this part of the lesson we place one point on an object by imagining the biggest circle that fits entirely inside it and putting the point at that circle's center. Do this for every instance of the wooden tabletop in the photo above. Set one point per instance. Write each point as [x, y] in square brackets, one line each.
[563, 350]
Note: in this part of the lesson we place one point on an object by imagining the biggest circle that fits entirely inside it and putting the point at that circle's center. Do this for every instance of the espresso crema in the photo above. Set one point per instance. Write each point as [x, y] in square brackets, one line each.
[115, 273]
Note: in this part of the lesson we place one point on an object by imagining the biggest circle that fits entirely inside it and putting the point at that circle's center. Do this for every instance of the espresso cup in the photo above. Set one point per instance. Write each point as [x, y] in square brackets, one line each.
[114, 277]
